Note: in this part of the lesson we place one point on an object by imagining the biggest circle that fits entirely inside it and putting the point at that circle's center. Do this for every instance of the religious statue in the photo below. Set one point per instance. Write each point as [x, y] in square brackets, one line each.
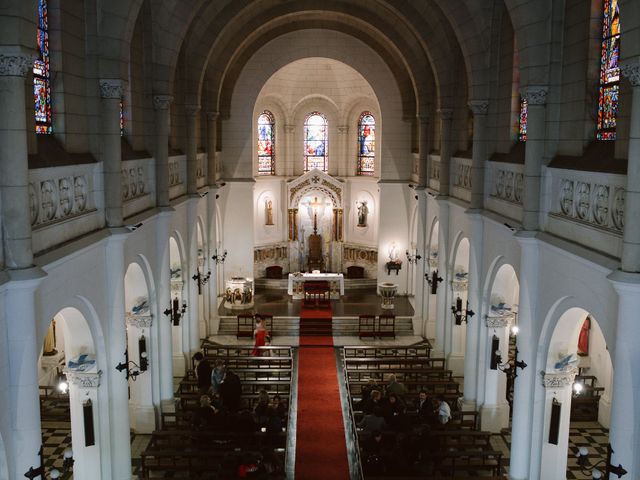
[363, 211]
[268, 212]
[49, 348]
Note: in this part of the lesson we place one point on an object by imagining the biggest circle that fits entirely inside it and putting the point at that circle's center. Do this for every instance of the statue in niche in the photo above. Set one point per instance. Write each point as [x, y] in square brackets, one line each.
[49, 348]
[268, 212]
[363, 212]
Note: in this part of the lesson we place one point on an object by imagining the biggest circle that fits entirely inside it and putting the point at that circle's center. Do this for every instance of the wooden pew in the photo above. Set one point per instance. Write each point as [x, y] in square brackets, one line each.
[377, 352]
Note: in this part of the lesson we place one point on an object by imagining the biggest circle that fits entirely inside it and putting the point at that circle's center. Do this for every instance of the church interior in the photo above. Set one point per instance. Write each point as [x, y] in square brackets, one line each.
[320, 239]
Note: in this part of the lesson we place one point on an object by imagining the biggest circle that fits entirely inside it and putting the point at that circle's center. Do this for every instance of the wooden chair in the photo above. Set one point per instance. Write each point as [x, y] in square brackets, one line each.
[245, 325]
[386, 326]
[367, 326]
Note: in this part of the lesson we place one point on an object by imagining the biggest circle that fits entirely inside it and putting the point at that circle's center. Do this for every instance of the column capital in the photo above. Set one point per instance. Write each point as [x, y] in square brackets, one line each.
[162, 102]
[212, 115]
[631, 70]
[535, 94]
[111, 88]
[139, 321]
[499, 321]
[343, 129]
[445, 113]
[15, 65]
[191, 109]
[560, 379]
[83, 379]
[479, 107]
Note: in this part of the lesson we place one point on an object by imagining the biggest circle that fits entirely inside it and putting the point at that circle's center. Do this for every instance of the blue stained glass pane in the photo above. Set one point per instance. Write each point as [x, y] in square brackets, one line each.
[366, 144]
[266, 144]
[315, 142]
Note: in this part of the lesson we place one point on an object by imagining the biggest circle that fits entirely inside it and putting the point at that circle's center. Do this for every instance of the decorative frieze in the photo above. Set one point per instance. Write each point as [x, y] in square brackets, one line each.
[15, 65]
[271, 253]
[59, 198]
[111, 88]
[176, 287]
[174, 172]
[462, 173]
[139, 321]
[558, 379]
[133, 182]
[500, 321]
[83, 379]
[631, 70]
[508, 183]
[359, 254]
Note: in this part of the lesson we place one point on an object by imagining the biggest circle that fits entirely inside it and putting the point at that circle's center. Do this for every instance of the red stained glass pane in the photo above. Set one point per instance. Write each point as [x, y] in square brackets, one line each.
[609, 71]
[366, 144]
[41, 87]
[266, 144]
[315, 142]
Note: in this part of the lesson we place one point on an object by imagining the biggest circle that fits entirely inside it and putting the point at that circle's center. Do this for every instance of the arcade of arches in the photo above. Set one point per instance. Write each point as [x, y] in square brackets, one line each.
[181, 162]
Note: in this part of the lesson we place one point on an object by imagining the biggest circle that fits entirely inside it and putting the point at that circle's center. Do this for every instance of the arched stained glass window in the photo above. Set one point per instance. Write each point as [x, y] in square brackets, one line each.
[366, 144]
[41, 88]
[122, 118]
[609, 72]
[315, 142]
[266, 144]
[522, 123]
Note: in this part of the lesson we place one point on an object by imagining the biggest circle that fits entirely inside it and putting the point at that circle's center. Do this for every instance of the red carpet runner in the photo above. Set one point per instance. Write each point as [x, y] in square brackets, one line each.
[321, 452]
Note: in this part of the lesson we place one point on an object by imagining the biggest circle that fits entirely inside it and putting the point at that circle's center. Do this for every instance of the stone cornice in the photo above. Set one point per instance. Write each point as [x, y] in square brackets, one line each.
[499, 321]
[84, 379]
[559, 379]
[162, 102]
[111, 88]
[535, 95]
[15, 65]
[479, 107]
[140, 321]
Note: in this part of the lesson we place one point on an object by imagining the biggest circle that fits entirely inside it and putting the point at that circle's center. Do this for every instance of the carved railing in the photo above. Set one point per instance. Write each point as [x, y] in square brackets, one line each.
[461, 178]
[505, 189]
[138, 185]
[201, 169]
[589, 200]
[177, 176]
[434, 172]
[60, 195]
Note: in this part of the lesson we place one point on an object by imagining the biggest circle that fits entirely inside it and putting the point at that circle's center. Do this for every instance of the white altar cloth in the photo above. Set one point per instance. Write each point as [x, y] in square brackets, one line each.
[296, 283]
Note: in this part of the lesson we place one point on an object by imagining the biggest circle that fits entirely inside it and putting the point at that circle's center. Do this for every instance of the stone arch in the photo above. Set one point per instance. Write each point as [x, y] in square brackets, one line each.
[178, 264]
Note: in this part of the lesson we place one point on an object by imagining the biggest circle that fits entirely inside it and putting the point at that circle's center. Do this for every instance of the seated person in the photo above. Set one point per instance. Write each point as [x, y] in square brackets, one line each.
[279, 406]
[206, 416]
[396, 387]
[373, 401]
[424, 407]
[373, 421]
[372, 454]
[261, 410]
[443, 410]
[394, 412]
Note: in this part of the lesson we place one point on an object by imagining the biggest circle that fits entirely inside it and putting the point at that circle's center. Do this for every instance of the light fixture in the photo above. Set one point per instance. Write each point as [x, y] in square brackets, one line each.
[583, 463]
[219, 258]
[132, 373]
[201, 279]
[510, 367]
[67, 467]
[460, 315]
[62, 384]
[578, 387]
[433, 280]
[175, 312]
[412, 258]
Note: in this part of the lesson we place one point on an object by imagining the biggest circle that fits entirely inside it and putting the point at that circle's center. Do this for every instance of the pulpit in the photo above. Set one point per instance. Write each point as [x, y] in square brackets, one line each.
[315, 261]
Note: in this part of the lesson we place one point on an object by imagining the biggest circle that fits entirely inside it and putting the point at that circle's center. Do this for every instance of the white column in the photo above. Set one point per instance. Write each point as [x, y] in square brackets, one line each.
[446, 116]
[163, 290]
[479, 109]
[289, 154]
[346, 165]
[558, 387]
[474, 297]
[536, 98]
[111, 92]
[494, 413]
[442, 304]
[193, 311]
[212, 131]
[142, 412]
[179, 333]
[83, 388]
[423, 161]
[191, 113]
[521, 425]
[419, 270]
[161, 103]
[117, 344]
[24, 407]
[211, 237]
[624, 434]
[455, 340]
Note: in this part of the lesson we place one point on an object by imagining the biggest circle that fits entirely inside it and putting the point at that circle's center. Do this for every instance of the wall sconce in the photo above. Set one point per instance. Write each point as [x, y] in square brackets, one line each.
[460, 315]
[510, 367]
[583, 463]
[62, 384]
[219, 258]
[412, 258]
[67, 467]
[130, 372]
[433, 280]
[202, 279]
[142, 349]
[175, 312]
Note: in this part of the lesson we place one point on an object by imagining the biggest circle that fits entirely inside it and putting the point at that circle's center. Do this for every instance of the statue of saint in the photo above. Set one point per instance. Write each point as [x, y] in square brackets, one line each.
[363, 212]
[50, 341]
[268, 212]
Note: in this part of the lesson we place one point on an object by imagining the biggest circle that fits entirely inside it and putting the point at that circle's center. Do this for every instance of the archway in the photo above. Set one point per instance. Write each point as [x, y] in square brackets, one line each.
[432, 281]
[577, 356]
[69, 377]
[455, 340]
[139, 349]
[179, 323]
[501, 318]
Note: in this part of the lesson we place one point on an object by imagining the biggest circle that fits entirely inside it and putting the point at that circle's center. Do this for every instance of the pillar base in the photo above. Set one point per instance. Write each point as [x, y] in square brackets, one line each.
[143, 418]
[469, 405]
[455, 363]
[494, 418]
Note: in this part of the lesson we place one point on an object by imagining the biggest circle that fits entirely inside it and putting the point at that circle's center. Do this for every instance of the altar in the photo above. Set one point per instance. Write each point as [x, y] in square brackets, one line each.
[296, 283]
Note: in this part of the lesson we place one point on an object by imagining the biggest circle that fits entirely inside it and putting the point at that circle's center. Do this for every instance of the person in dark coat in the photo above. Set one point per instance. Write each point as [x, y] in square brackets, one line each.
[231, 391]
[203, 373]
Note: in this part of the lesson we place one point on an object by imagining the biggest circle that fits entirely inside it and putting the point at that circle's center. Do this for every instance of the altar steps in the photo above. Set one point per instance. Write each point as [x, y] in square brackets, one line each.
[340, 326]
[350, 284]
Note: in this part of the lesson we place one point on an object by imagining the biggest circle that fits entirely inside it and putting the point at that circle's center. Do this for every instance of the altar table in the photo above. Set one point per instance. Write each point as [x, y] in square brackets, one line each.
[296, 283]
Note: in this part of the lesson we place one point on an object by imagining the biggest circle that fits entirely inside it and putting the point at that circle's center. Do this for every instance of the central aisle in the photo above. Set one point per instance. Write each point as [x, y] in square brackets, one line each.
[321, 451]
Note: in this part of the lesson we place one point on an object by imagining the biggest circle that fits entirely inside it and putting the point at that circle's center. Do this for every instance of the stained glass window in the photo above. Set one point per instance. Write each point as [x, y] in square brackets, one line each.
[41, 88]
[366, 144]
[315, 142]
[522, 123]
[609, 72]
[122, 118]
[266, 144]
